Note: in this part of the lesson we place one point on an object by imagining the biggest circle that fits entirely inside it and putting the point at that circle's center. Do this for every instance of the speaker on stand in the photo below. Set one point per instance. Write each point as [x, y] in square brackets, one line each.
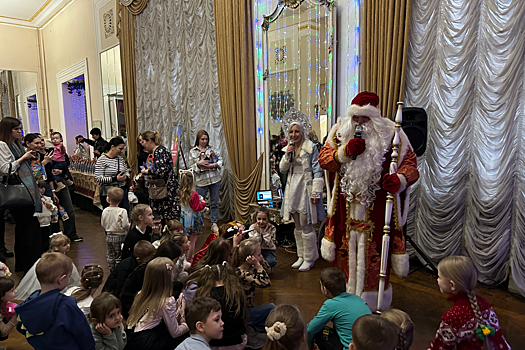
[415, 127]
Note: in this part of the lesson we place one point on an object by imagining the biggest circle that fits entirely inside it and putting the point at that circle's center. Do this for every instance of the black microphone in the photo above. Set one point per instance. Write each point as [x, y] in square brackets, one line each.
[291, 154]
[357, 135]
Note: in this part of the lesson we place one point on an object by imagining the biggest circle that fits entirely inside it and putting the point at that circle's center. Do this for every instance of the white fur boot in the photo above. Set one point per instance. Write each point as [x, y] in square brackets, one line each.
[371, 299]
[311, 254]
[300, 248]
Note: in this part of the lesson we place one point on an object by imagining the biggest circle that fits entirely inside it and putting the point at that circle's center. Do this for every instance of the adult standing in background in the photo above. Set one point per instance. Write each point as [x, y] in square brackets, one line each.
[15, 159]
[303, 194]
[111, 171]
[206, 163]
[98, 142]
[160, 177]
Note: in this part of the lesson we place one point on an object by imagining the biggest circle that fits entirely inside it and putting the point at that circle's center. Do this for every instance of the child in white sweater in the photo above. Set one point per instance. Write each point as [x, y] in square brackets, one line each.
[116, 224]
[44, 218]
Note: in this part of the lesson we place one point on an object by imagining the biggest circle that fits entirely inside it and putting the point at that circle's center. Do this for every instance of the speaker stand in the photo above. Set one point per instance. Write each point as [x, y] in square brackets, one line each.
[429, 263]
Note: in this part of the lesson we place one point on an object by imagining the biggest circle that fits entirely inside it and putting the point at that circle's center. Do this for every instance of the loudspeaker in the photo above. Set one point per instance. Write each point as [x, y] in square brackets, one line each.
[415, 127]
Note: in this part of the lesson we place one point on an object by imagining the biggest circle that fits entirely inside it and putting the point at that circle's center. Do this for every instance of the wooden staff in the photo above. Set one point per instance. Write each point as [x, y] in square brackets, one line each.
[388, 209]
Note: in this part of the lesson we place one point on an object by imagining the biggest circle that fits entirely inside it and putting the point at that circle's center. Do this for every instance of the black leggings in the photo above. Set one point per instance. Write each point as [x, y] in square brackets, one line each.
[28, 240]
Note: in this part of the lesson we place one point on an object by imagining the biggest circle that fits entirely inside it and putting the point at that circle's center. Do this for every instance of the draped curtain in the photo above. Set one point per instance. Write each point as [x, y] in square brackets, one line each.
[384, 30]
[235, 66]
[466, 64]
[176, 78]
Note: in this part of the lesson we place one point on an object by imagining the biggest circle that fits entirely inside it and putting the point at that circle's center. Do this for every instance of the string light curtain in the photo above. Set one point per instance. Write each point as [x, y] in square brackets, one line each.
[466, 68]
[385, 29]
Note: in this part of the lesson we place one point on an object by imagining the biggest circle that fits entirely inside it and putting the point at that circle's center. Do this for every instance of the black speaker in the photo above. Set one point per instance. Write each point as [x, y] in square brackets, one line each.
[415, 127]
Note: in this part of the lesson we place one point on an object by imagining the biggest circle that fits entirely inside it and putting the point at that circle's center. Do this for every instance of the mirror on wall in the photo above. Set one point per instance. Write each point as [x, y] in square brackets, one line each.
[113, 101]
[18, 98]
[299, 68]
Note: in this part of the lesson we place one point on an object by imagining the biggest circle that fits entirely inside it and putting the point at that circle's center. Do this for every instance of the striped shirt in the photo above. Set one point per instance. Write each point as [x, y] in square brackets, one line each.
[107, 169]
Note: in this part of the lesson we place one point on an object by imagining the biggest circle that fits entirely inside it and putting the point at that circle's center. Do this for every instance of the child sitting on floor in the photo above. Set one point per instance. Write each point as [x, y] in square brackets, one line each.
[106, 323]
[253, 273]
[371, 332]
[471, 323]
[341, 308]
[204, 319]
[91, 278]
[59, 243]
[405, 327]
[48, 319]
[7, 307]
[284, 329]
[170, 229]
[265, 233]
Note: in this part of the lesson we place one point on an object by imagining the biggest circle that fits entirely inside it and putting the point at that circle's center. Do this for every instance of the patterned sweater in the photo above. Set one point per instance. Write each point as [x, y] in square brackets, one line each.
[254, 278]
[458, 326]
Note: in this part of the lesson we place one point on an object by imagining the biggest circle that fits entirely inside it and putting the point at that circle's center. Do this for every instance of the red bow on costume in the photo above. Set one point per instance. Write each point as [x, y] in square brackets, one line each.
[391, 183]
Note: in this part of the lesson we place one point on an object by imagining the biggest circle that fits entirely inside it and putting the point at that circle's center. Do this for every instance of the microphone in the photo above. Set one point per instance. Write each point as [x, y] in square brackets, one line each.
[291, 154]
[357, 135]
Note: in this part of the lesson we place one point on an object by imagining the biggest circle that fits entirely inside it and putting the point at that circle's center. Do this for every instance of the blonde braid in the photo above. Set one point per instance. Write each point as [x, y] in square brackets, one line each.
[475, 307]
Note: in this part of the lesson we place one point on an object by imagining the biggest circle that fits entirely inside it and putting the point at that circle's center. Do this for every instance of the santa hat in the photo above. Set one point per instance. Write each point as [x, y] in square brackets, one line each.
[365, 104]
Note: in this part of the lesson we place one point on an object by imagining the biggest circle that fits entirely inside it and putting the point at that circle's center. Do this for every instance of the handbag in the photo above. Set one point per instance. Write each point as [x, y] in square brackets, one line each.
[14, 193]
[157, 189]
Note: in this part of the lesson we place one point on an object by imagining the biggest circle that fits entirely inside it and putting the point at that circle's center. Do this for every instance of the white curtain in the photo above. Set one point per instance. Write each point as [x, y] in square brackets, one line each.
[177, 78]
[466, 67]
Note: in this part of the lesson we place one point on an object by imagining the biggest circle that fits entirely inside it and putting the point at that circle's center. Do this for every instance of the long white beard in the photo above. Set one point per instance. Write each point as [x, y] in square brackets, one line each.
[361, 178]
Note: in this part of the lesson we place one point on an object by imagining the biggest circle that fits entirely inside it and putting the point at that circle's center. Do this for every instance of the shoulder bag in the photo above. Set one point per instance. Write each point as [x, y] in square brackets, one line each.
[14, 193]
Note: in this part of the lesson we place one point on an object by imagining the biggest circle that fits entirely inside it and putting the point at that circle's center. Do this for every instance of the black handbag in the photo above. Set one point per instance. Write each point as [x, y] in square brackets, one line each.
[14, 193]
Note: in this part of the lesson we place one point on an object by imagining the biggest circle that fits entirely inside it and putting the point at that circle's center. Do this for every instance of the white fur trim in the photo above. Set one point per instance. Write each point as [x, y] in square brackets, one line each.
[400, 264]
[317, 186]
[361, 264]
[327, 250]
[352, 263]
[403, 181]
[368, 111]
[341, 155]
[310, 251]
[371, 299]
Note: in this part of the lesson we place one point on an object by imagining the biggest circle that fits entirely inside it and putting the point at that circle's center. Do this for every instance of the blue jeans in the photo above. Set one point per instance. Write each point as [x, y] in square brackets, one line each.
[269, 256]
[60, 165]
[258, 316]
[214, 199]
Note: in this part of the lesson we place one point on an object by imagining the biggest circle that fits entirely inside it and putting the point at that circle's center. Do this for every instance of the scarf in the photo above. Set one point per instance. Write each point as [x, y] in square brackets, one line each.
[26, 174]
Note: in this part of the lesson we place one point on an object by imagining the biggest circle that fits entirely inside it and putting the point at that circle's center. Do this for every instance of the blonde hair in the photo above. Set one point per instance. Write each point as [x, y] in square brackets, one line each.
[90, 279]
[186, 187]
[244, 250]
[52, 266]
[172, 225]
[156, 290]
[138, 210]
[115, 195]
[406, 327]
[461, 271]
[151, 135]
[285, 328]
[56, 241]
[225, 275]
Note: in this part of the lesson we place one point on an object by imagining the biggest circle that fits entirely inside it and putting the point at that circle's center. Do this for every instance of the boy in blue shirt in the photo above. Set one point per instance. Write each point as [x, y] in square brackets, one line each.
[51, 320]
[341, 308]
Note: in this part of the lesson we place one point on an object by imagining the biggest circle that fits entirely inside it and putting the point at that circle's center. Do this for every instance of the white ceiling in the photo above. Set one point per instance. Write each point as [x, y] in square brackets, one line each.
[32, 13]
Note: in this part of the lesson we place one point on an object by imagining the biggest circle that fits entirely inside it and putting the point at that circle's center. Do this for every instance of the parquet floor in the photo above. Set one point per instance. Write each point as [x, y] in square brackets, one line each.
[418, 294]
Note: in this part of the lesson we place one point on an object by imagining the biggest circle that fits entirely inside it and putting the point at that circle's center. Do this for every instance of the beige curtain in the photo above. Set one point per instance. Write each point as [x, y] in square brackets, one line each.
[235, 68]
[126, 35]
[385, 30]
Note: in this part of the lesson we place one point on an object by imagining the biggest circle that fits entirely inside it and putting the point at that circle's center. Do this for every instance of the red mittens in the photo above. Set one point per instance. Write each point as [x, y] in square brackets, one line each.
[391, 183]
[355, 147]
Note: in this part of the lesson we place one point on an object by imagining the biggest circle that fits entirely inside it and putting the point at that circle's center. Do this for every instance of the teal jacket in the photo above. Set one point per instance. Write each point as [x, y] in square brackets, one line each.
[342, 310]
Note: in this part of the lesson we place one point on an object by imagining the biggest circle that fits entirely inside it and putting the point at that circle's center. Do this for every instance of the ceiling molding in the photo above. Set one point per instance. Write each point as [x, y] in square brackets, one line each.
[41, 15]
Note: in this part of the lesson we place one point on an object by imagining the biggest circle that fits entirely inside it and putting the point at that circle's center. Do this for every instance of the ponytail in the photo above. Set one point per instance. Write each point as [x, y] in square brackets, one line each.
[152, 135]
[243, 250]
